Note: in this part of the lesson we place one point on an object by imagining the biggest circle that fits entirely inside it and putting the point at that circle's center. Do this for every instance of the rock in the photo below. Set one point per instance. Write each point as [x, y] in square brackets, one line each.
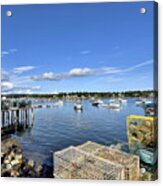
[14, 146]
[26, 169]
[142, 170]
[32, 174]
[18, 156]
[147, 176]
[3, 166]
[8, 166]
[14, 162]
[31, 163]
[12, 153]
[6, 161]
[14, 173]
[9, 157]
[2, 154]
[18, 151]
[39, 168]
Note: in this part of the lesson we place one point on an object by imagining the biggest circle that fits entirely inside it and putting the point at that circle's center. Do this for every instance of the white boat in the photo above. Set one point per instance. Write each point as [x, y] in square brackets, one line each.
[148, 102]
[92, 99]
[104, 105]
[122, 100]
[114, 109]
[112, 100]
[78, 106]
[59, 103]
[114, 105]
[97, 102]
[143, 102]
[140, 101]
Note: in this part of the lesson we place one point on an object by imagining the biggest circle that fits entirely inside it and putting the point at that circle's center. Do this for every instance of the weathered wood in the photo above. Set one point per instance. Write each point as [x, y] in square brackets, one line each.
[8, 118]
[3, 118]
[25, 118]
[28, 120]
[18, 118]
[32, 116]
[12, 117]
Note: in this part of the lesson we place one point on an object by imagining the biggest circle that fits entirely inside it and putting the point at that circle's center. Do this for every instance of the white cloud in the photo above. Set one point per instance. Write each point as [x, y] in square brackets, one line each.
[139, 65]
[80, 72]
[4, 75]
[85, 52]
[75, 72]
[13, 50]
[49, 75]
[7, 52]
[24, 90]
[6, 85]
[19, 70]
[14, 81]
[84, 72]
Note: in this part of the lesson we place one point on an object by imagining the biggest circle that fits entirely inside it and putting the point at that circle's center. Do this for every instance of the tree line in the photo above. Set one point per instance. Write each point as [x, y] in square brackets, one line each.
[145, 94]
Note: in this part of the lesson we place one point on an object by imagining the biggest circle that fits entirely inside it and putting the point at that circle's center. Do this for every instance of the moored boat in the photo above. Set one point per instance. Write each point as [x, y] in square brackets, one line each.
[114, 105]
[59, 103]
[104, 105]
[140, 101]
[122, 100]
[78, 106]
[97, 102]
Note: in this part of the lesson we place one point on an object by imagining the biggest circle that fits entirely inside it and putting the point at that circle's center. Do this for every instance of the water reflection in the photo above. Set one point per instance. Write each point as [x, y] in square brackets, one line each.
[59, 127]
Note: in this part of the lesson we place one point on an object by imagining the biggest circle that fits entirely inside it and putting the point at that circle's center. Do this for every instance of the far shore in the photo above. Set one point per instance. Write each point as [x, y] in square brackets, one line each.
[86, 95]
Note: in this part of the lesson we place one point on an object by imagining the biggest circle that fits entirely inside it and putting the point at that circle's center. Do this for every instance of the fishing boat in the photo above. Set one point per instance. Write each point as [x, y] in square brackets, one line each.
[114, 105]
[150, 111]
[97, 102]
[59, 103]
[144, 102]
[140, 101]
[104, 105]
[150, 108]
[78, 106]
[92, 99]
[122, 100]
[112, 100]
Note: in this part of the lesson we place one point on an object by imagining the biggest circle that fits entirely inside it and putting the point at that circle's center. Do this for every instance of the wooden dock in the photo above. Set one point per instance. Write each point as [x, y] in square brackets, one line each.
[16, 119]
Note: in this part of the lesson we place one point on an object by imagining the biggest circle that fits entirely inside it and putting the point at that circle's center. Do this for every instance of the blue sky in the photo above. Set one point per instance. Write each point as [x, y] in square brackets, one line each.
[77, 47]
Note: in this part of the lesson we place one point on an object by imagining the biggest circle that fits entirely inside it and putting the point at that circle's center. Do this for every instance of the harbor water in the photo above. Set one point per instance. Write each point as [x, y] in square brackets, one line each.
[60, 127]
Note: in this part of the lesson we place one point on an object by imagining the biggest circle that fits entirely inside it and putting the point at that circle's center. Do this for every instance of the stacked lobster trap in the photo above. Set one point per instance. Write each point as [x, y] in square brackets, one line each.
[94, 161]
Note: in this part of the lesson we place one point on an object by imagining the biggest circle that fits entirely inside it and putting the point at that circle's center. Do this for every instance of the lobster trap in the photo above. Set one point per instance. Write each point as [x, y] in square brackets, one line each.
[94, 161]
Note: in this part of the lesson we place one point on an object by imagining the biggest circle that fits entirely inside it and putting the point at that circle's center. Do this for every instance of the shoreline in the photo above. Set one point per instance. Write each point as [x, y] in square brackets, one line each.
[15, 164]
